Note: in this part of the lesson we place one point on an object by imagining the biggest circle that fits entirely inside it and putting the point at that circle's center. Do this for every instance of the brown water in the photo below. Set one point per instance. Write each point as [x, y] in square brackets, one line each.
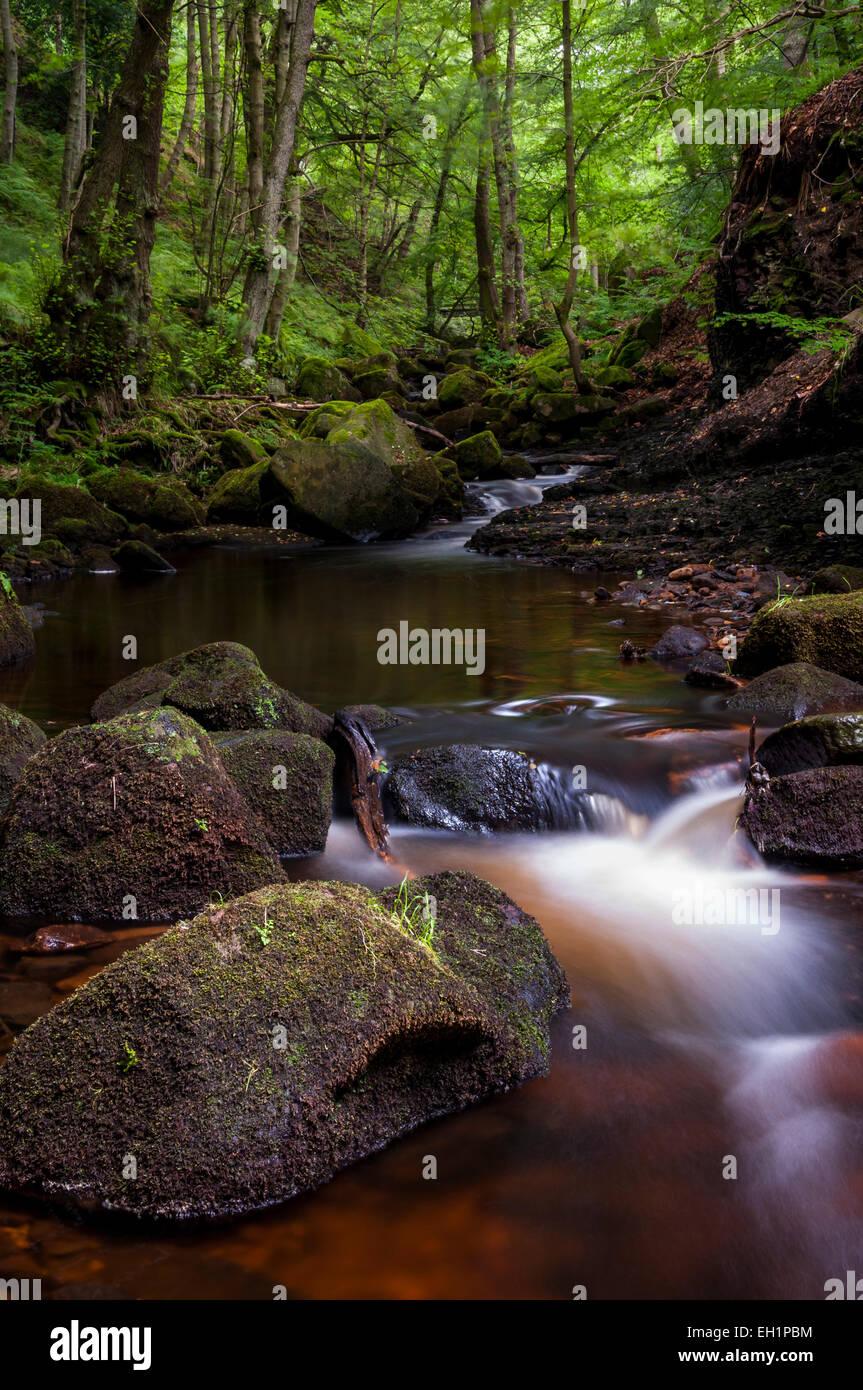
[701, 1043]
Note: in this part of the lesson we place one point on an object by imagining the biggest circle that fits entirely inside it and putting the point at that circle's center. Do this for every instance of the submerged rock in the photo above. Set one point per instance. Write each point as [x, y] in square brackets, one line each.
[824, 630]
[247, 1056]
[471, 789]
[287, 779]
[795, 690]
[68, 936]
[134, 817]
[813, 817]
[221, 685]
[137, 558]
[678, 641]
[16, 634]
[19, 740]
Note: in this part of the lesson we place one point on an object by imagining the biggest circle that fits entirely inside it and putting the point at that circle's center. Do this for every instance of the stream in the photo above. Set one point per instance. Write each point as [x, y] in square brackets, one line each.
[703, 1044]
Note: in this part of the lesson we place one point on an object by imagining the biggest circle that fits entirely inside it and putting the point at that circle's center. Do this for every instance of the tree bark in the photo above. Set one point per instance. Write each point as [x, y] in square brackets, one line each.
[187, 120]
[262, 275]
[103, 302]
[76, 121]
[564, 308]
[285, 282]
[489, 302]
[10, 91]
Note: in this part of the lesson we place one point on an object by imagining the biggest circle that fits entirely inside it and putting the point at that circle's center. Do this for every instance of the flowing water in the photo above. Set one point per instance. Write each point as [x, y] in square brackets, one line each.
[703, 1043]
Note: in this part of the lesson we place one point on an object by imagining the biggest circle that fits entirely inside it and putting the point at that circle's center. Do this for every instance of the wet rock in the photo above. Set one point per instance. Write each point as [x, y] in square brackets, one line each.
[99, 561]
[677, 642]
[236, 496]
[16, 634]
[793, 691]
[137, 813]
[476, 790]
[709, 671]
[69, 936]
[813, 817]
[822, 630]
[374, 717]
[19, 740]
[73, 516]
[821, 740]
[516, 467]
[287, 779]
[249, 1055]
[221, 685]
[137, 558]
[837, 579]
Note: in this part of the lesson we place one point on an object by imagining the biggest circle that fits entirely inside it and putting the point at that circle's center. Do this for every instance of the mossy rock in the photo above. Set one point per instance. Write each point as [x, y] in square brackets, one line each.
[54, 551]
[136, 557]
[451, 496]
[250, 1054]
[374, 717]
[478, 456]
[649, 329]
[136, 815]
[837, 579]
[287, 779]
[236, 496]
[342, 480]
[379, 381]
[20, 738]
[796, 690]
[166, 504]
[516, 467]
[613, 378]
[16, 635]
[420, 481]
[820, 740]
[822, 630]
[647, 409]
[474, 790]
[812, 818]
[239, 450]
[627, 353]
[321, 380]
[221, 686]
[74, 516]
[559, 407]
[463, 387]
[545, 378]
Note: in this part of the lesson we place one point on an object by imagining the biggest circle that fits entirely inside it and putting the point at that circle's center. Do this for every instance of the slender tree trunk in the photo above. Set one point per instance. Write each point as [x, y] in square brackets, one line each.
[210, 80]
[489, 303]
[564, 308]
[512, 166]
[188, 118]
[261, 278]
[437, 210]
[287, 276]
[103, 303]
[10, 91]
[653, 34]
[76, 121]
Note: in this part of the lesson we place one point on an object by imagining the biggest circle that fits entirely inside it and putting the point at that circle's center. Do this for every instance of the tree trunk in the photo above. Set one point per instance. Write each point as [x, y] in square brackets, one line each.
[512, 167]
[102, 304]
[440, 199]
[653, 34]
[489, 303]
[285, 282]
[188, 118]
[262, 274]
[76, 121]
[564, 308]
[10, 91]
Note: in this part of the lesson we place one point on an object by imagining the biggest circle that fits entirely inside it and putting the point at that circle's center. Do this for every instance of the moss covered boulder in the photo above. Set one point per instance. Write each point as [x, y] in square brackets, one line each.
[73, 515]
[342, 480]
[320, 380]
[287, 779]
[837, 579]
[463, 387]
[809, 818]
[240, 450]
[824, 630]
[19, 740]
[16, 634]
[136, 817]
[221, 685]
[248, 1055]
[236, 496]
[467, 788]
[166, 504]
[478, 456]
[795, 690]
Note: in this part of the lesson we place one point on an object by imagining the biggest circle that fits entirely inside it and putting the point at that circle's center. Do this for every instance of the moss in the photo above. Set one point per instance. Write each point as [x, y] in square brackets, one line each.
[463, 387]
[19, 740]
[379, 1036]
[822, 630]
[236, 496]
[16, 635]
[73, 515]
[296, 816]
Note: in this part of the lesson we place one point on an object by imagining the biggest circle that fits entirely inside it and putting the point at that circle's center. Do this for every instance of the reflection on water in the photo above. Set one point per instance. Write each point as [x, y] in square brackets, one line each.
[702, 1042]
